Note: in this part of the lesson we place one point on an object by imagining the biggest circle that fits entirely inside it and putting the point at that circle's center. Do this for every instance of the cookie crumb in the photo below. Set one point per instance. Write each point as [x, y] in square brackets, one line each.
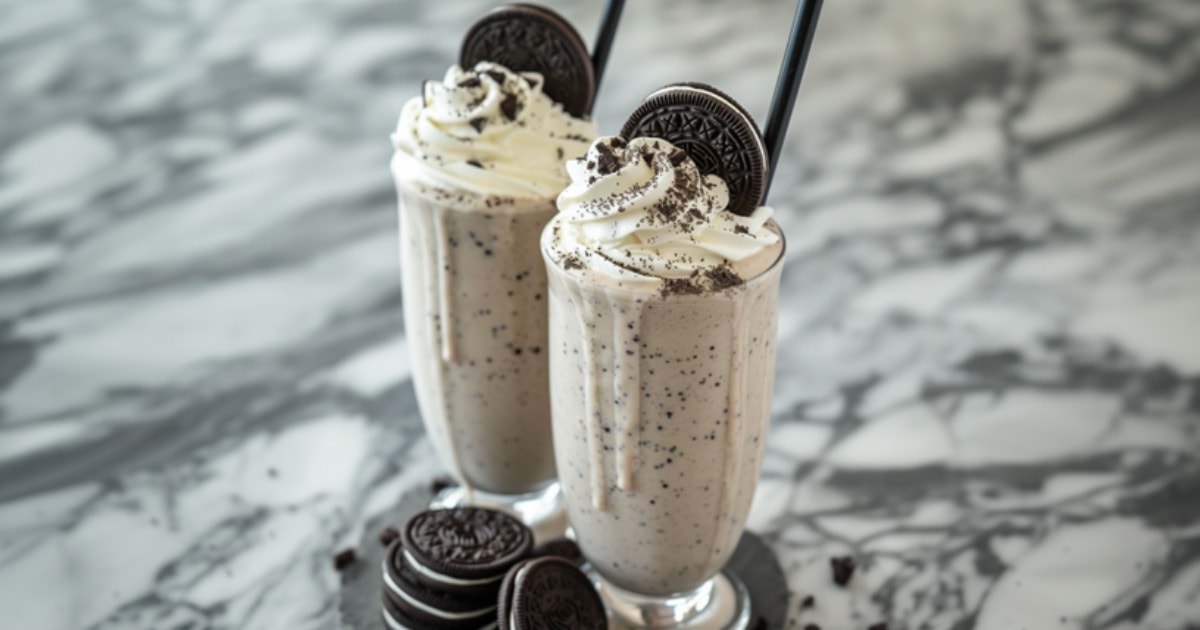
[441, 483]
[843, 569]
[680, 286]
[572, 262]
[344, 558]
[882, 625]
[722, 277]
[510, 106]
[608, 162]
[812, 626]
[808, 602]
[388, 534]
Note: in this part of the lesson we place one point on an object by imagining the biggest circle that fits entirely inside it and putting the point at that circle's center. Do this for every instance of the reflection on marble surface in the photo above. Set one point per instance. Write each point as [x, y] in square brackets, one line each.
[989, 381]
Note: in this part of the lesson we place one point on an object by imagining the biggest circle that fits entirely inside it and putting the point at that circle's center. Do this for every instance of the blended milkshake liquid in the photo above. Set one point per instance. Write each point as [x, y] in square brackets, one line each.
[663, 313]
[478, 164]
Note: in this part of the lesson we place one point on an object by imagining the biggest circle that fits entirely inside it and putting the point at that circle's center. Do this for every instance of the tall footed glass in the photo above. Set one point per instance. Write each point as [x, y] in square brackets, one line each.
[661, 402]
[474, 290]
[478, 165]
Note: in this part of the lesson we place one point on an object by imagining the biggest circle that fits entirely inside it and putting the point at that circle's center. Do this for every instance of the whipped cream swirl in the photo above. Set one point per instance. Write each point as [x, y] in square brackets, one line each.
[488, 130]
[645, 208]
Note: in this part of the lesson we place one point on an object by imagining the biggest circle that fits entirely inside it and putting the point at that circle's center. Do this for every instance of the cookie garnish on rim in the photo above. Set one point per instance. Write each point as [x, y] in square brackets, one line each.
[714, 130]
[531, 38]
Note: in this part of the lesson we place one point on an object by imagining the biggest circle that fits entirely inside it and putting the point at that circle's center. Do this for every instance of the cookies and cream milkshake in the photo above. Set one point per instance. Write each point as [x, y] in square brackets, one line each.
[478, 165]
[663, 313]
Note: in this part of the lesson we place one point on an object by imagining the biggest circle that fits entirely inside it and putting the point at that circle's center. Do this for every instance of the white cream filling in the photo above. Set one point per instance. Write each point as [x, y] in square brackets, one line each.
[453, 616]
[434, 575]
[392, 623]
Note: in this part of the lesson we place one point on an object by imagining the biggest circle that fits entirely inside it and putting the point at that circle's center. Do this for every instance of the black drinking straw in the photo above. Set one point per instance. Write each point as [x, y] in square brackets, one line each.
[604, 40]
[804, 26]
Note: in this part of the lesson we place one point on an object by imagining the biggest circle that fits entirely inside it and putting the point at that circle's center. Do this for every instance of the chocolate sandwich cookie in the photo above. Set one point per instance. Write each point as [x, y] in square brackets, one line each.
[396, 619]
[559, 547]
[715, 131]
[549, 592]
[531, 38]
[408, 601]
[464, 550]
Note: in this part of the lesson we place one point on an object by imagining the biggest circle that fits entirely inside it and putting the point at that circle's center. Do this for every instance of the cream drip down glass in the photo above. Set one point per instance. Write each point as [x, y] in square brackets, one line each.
[663, 314]
[478, 164]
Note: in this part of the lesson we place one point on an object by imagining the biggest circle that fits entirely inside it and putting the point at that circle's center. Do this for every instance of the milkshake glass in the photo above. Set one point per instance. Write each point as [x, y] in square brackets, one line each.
[478, 164]
[663, 314]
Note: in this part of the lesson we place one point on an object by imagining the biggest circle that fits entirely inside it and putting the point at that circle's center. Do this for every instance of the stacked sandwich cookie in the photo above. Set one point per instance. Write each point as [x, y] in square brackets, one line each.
[407, 603]
[446, 568]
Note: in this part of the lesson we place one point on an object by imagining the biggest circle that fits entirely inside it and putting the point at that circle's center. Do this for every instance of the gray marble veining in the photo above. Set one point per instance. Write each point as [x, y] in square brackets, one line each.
[989, 379]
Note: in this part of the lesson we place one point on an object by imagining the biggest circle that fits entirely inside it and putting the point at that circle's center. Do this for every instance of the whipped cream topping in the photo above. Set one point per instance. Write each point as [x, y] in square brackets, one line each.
[644, 208]
[488, 130]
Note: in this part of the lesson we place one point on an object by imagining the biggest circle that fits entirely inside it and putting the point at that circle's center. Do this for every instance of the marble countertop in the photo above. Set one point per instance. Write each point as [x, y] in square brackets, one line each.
[989, 382]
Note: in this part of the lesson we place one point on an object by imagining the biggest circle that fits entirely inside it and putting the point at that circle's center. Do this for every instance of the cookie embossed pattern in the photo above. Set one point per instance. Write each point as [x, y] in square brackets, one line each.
[534, 39]
[721, 140]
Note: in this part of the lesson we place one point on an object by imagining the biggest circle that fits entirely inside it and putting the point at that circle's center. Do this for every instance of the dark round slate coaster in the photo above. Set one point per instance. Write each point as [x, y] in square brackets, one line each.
[755, 563]
[358, 600]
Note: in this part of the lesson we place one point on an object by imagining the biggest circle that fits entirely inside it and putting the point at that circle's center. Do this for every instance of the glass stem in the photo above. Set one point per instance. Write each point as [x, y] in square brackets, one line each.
[650, 611]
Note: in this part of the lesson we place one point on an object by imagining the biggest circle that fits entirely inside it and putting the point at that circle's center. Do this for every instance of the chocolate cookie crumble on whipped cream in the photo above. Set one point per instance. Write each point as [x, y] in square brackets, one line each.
[488, 130]
[642, 211]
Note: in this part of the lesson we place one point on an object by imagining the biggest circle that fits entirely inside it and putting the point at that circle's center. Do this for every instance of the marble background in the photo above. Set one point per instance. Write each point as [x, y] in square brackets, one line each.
[989, 387]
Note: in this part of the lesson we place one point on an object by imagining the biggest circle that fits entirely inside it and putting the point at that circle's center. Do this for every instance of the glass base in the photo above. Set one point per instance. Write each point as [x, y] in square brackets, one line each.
[542, 510]
[721, 603]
